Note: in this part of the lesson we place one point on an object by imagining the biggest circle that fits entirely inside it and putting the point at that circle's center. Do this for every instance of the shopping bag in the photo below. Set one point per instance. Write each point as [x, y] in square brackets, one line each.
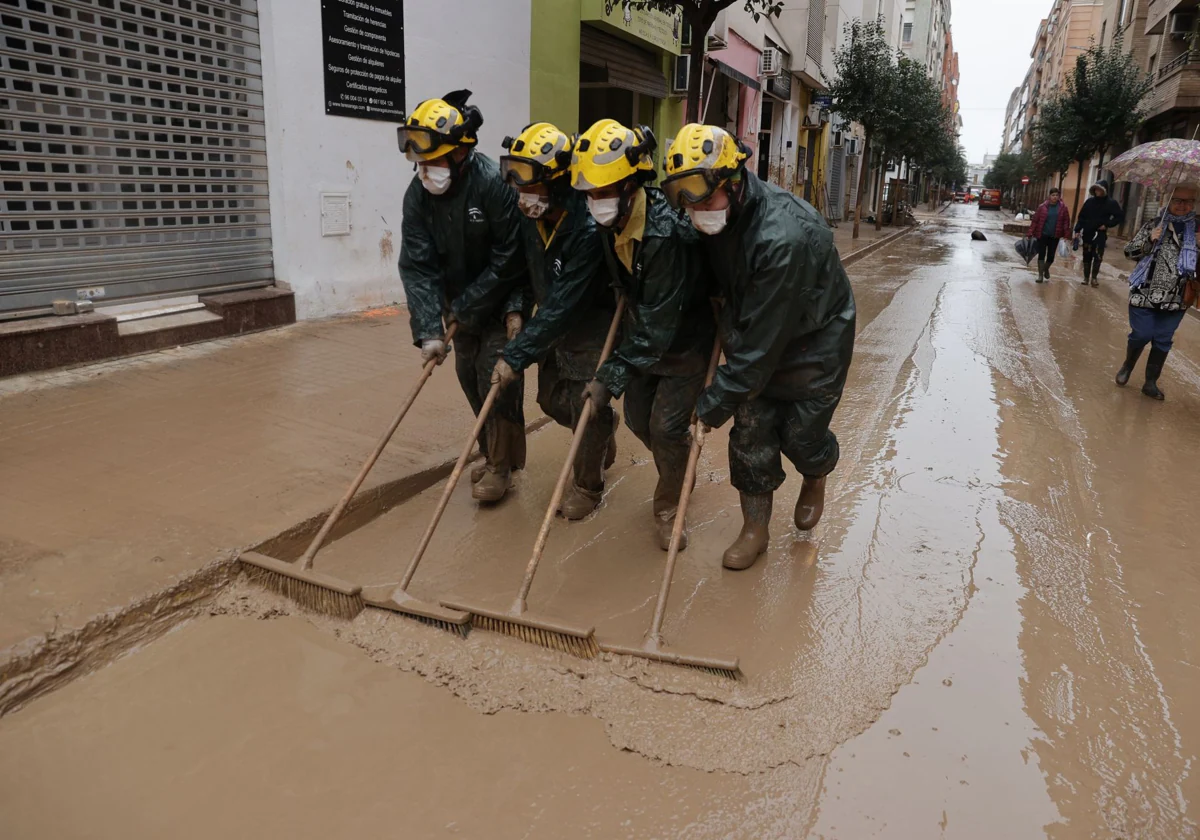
[1064, 250]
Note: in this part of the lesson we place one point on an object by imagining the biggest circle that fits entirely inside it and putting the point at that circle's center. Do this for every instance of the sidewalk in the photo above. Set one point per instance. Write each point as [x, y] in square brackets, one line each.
[122, 478]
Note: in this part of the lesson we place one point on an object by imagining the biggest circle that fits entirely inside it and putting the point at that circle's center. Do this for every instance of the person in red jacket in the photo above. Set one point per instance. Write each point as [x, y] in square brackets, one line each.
[1051, 222]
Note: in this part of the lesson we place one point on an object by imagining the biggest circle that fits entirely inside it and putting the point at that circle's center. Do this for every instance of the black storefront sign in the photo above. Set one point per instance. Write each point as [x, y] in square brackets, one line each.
[363, 49]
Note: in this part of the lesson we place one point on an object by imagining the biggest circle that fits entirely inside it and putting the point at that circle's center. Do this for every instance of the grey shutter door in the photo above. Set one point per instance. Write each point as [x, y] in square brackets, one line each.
[132, 150]
[628, 67]
[837, 182]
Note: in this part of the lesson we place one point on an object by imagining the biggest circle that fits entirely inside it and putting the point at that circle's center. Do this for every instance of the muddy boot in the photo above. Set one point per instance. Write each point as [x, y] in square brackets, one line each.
[506, 452]
[1087, 273]
[811, 503]
[1096, 272]
[1132, 352]
[577, 503]
[752, 541]
[1041, 270]
[477, 473]
[1154, 366]
[664, 524]
[585, 492]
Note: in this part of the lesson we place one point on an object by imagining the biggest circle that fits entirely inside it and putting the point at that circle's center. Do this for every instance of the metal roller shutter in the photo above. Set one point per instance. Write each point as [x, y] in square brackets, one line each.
[132, 149]
[628, 67]
[837, 184]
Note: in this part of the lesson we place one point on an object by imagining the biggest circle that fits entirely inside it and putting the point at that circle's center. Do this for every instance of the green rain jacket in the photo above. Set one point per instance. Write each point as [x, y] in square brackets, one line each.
[460, 252]
[569, 282]
[668, 326]
[787, 326]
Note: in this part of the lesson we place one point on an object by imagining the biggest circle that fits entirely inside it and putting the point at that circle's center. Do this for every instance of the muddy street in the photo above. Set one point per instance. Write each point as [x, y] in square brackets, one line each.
[993, 633]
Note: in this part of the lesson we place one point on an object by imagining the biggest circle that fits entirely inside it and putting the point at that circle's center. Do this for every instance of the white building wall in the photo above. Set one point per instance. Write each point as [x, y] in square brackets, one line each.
[448, 44]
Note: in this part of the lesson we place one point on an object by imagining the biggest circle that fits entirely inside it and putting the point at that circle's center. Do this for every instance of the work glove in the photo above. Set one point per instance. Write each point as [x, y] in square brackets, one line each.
[503, 374]
[512, 324]
[598, 393]
[433, 348]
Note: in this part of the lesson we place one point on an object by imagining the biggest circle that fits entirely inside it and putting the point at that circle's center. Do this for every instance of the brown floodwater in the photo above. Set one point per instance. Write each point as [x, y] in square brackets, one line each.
[994, 633]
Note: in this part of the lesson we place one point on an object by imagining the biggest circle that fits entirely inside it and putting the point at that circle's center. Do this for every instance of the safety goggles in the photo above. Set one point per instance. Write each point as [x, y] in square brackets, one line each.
[522, 172]
[417, 141]
[688, 188]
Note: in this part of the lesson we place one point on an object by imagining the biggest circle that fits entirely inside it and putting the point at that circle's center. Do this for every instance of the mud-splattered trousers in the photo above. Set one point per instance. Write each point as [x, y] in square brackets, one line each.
[563, 374]
[503, 438]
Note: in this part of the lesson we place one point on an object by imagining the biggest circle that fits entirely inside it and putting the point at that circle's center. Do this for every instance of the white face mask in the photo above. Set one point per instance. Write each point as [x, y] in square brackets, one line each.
[604, 210]
[435, 178]
[533, 205]
[708, 222]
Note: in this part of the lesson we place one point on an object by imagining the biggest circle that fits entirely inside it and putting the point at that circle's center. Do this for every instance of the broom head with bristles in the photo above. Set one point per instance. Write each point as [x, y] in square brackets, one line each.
[727, 668]
[435, 615]
[309, 589]
[552, 633]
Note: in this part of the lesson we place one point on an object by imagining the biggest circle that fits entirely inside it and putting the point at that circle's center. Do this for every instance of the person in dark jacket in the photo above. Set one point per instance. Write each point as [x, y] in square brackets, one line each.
[575, 303]
[1051, 222]
[1098, 214]
[653, 257]
[787, 328]
[1161, 287]
[461, 260]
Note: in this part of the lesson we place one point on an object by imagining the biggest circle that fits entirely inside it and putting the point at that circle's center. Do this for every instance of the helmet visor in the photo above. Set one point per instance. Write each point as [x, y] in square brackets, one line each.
[417, 141]
[521, 171]
[693, 187]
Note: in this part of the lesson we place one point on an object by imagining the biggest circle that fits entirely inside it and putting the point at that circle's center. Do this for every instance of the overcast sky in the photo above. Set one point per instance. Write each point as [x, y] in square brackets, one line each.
[993, 40]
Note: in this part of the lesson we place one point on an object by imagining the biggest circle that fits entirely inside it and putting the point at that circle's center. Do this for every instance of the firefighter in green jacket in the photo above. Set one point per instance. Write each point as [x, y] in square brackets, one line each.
[653, 257]
[787, 328]
[575, 303]
[461, 260]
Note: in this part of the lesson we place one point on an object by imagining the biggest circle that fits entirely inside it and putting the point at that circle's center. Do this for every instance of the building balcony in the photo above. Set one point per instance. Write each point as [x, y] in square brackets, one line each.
[1158, 13]
[1176, 86]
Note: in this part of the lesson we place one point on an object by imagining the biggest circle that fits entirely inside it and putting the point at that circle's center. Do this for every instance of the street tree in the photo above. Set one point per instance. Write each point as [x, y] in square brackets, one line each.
[862, 87]
[1059, 137]
[921, 125]
[700, 15]
[1007, 171]
[1107, 91]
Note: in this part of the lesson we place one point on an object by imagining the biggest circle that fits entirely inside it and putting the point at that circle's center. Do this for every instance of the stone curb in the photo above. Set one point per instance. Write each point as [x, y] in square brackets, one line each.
[866, 251]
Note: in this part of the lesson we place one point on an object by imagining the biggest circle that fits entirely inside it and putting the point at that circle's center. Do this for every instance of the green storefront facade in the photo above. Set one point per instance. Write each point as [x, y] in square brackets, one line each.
[591, 59]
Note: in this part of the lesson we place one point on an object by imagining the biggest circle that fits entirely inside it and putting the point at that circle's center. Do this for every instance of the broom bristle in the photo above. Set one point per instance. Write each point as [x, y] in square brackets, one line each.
[583, 647]
[450, 627]
[306, 595]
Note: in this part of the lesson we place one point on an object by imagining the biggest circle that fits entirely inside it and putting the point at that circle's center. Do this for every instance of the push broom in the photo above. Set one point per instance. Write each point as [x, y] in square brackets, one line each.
[399, 600]
[298, 581]
[517, 620]
[653, 647]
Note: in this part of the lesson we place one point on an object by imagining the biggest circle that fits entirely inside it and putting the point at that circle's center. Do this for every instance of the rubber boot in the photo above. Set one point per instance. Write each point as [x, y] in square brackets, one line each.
[664, 525]
[752, 541]
[1087, 271]
[1041, 270]
[1154, 366]
[811, 503]
[585, 492]
[1096, 271]
[1133, 351]
[477, 473]
[506, 452]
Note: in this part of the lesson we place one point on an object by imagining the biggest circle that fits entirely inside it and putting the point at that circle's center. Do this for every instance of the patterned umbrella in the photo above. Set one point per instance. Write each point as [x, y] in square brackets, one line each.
[1163, 164]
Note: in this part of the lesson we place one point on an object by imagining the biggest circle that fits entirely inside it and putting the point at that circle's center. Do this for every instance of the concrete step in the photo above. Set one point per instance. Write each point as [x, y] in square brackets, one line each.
[166, 321]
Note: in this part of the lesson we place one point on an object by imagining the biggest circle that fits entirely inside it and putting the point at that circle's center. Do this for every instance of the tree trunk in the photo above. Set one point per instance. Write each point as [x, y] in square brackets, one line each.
[700, 26]
[879, 192]
[1078, 187]
[863, 174]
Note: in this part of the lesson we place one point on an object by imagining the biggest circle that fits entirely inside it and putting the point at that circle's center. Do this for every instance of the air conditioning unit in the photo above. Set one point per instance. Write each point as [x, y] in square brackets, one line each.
[770, 63]
[681, 77]
[1182, 25]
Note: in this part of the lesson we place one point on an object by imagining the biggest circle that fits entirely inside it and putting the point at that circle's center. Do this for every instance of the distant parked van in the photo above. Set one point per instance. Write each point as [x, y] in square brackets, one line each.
[989, 200]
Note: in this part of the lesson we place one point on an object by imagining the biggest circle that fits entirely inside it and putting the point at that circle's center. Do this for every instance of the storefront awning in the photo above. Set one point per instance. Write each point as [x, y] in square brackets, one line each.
[624, 65]
[736, 75]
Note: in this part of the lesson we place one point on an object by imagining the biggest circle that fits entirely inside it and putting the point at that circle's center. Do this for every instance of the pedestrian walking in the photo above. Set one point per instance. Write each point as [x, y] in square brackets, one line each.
[459, 242]
[1162, 286]
[1051, 223]
[1099, 214]
[787, 328]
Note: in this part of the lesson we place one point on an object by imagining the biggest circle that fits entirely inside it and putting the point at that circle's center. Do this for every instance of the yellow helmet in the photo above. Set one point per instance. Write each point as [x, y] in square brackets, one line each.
[701, 158]
[439, 126]
[608, 152]
[538, 155]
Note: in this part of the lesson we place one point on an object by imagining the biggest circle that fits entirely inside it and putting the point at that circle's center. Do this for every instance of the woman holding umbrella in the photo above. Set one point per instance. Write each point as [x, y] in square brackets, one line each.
[1164, 284]
[1162, 287]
